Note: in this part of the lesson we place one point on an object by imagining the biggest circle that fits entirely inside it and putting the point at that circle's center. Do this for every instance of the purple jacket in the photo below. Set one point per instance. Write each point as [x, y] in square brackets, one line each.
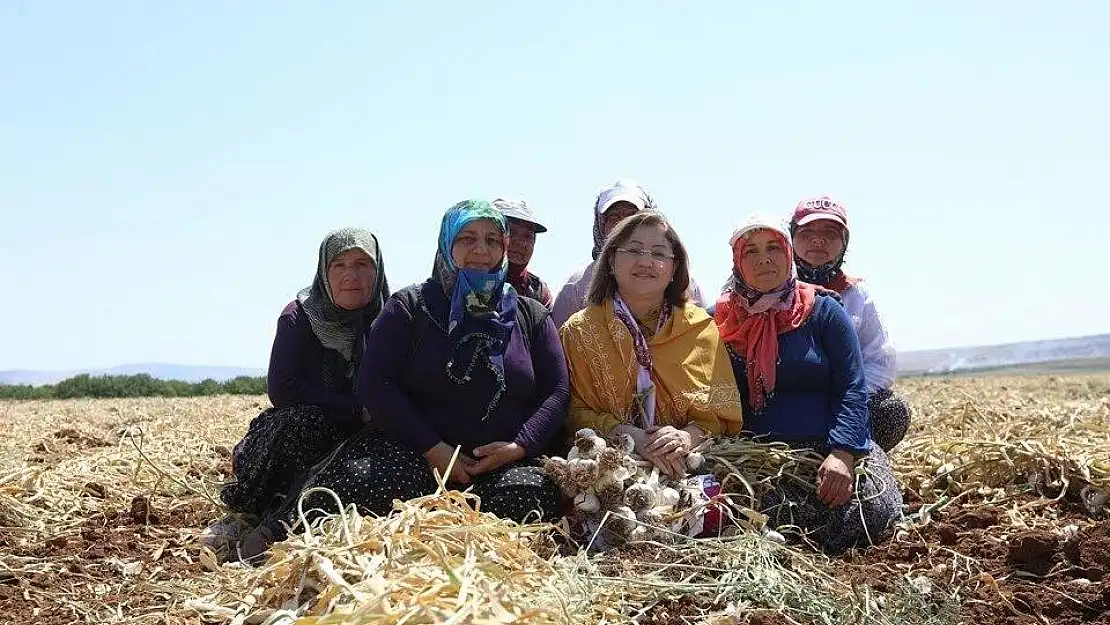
[296, 377]
[412, 400]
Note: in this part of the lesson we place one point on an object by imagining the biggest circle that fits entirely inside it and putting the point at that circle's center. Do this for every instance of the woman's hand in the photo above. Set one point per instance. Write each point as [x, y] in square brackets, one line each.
[439, 457]
[667, 448]
[495, 455]
[643, 439]
[835, 478]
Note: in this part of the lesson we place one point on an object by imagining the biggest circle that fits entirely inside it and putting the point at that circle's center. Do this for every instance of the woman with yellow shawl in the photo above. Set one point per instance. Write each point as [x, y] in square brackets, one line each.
[642, 359]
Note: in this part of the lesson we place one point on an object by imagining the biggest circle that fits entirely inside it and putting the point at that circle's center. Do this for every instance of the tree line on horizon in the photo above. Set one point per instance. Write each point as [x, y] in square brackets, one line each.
[139, 385]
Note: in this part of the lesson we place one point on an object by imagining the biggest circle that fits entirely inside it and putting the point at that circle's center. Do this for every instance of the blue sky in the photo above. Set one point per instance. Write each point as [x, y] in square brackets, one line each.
[168, 169]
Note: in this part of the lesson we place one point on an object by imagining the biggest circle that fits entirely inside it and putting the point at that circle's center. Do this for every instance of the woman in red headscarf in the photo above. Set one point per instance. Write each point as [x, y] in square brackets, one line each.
[800, 374]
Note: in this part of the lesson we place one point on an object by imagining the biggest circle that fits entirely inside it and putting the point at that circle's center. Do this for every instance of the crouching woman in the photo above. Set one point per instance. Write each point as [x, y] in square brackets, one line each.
[800, 374]
[315, 357]
[317, 350]
[643, 359]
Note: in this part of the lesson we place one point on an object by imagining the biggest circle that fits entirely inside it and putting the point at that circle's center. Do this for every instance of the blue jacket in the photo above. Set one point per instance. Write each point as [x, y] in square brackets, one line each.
[819, 391]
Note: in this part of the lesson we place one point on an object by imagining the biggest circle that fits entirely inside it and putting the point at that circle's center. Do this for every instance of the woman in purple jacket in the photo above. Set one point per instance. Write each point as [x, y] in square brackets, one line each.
[459, 361]
[315, 357]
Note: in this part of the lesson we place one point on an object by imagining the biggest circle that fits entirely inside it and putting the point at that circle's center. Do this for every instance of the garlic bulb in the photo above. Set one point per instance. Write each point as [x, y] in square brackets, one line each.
[554, 465]
[668, 497]
[695, 461]
[611, 494]
[583, 472]
[620, 474]
[556, 469]
[589, 446]
[587, 502]
[774, 536]
[651, 516]
[609, 459]
[625, 443]
[640, 496]
[622, 521]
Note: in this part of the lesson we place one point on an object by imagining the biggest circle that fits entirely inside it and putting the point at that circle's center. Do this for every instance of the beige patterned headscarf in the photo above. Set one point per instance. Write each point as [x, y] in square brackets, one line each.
[338, 329]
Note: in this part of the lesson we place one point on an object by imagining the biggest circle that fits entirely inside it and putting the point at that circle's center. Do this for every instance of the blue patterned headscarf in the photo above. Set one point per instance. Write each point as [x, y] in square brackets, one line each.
[483, 304]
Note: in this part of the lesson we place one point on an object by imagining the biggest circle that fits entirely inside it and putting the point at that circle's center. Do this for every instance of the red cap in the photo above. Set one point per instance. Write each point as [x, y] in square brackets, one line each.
[820, 207]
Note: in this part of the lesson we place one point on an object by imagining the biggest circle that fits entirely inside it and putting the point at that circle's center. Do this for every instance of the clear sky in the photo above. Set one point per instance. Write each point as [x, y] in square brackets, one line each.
[167, 169]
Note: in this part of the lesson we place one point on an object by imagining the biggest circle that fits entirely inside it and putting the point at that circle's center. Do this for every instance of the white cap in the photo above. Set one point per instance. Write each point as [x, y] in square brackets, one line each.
[518, 209]
[759, 222]
[623, 191]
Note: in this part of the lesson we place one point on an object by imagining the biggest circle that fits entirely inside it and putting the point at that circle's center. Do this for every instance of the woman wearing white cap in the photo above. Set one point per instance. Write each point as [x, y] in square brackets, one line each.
[613, 203]
[797, 363]
[819, 228]
[523, 228]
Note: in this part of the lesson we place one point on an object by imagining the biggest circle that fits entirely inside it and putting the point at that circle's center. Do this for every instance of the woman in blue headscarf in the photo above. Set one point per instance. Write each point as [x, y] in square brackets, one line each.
[460, 362]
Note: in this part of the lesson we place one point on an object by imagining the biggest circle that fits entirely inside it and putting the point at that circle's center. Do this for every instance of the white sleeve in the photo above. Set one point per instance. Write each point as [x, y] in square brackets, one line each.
[879, 357]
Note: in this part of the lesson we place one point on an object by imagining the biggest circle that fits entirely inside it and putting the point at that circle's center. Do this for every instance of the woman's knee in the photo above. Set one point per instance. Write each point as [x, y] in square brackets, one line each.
[521, 493]
[890, 418]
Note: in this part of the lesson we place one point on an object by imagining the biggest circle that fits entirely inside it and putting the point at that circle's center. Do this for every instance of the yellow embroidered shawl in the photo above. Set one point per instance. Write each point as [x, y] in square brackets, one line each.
[691, 371]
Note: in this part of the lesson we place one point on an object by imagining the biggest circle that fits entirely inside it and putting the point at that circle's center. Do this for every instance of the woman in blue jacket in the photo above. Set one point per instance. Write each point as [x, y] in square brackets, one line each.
[800, 374]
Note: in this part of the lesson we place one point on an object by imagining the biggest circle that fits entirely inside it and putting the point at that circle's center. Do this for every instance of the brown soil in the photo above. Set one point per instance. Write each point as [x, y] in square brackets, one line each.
[1009, 576]
[1093, 551]
[764, 617]
[681, 611]
[64, 442]
[100, 562]
[1034, 552]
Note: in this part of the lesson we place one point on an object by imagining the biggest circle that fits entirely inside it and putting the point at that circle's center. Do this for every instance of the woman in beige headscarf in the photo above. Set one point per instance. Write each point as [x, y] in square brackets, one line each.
[613, 203]
[316, 355]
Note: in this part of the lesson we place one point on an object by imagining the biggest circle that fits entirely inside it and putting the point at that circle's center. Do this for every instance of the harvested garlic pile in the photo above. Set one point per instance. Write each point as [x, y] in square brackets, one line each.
[609, 477]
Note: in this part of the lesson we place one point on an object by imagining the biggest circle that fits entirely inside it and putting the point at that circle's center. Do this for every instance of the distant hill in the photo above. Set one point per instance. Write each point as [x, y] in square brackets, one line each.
[1085, 353]
[1074, 354]
[162, 371]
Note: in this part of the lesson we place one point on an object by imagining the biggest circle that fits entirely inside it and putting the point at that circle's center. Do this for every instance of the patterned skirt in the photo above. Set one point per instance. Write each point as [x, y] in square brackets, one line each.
[371, 471]
[280, 445]
[890, 418]
[875, 506]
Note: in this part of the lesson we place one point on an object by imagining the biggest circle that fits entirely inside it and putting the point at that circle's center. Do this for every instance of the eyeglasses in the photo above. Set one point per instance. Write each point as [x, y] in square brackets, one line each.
[659, 257]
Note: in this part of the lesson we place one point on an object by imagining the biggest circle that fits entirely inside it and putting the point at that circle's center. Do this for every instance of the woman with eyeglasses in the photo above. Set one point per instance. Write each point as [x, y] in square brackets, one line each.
[643, 359]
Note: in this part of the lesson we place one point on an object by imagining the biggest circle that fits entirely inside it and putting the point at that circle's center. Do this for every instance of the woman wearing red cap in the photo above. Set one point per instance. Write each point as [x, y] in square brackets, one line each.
[798, 367]
[819, 228]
